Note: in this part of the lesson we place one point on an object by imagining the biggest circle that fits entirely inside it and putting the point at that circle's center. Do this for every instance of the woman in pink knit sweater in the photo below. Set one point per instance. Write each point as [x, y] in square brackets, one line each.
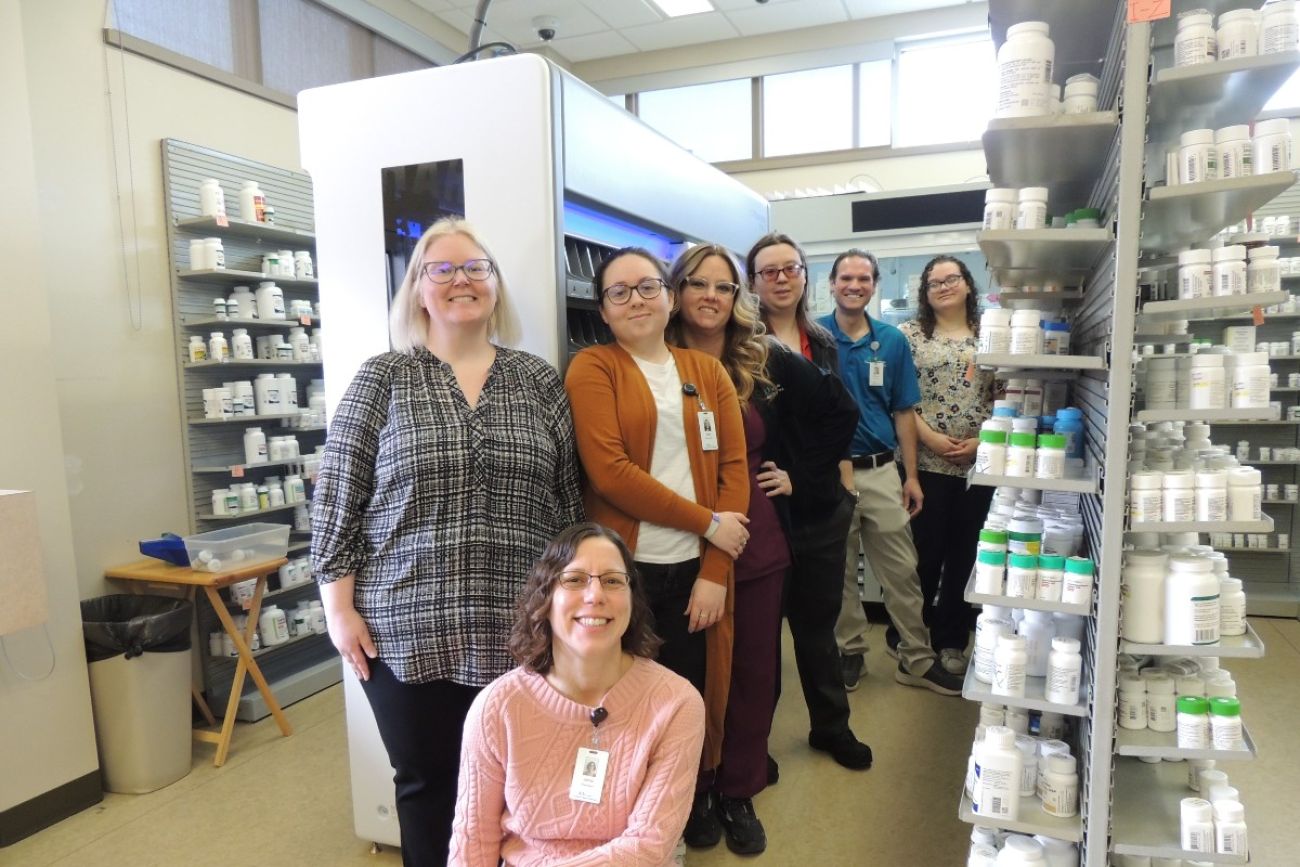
[587, 753]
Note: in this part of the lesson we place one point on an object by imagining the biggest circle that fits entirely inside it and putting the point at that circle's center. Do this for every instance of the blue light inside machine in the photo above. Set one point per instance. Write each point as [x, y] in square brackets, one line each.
[584, 222]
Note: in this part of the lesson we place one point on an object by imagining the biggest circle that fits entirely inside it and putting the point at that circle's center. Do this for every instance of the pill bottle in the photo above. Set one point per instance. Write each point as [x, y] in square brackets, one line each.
[988, 629]
[1250, 381]
[1230, 824]
[1212, 495]
[1031, 208]
[1025, 536]
[1277, 27]
[1208, 381]
[1132, 702]
[1020, 455]
[1047, 749]
[1146, 497]
[274, 626]
[1142, 596]
[1238, 34]
[1244, 497]
[1000, 208]
[1076, 586]
[1198, 160]
[1061, 787]
[1191, 601]
[1232, 607]
[1009, 662]
[1193, 722]
[991, 455]
[270, 301]
[1197, 825]
[1025, 71]
[1272, 145]
[1161, 713]
[1033, 399]
[198, 350]
[990, 572]
[1236, 155]
[1195, 278]
[992, 540]
[241, 304]
[1049, 460]
[1021, 576]
[1161, 389]
[199, 255]
[1179, 496]
[1195, 41]
[241, 344]
[1028, 748]
[1196, 767]
[1225, 723]
[1064, 668]
[252, 204]
[1069, 424]
[1050, 577]
[1026, 332]
[1229, 267]
[995, 330]
[1056, 338]
[212, 199]
[1036, 629]
[218, 348]
[1080, 94]
[997, 775]
[1263, 274]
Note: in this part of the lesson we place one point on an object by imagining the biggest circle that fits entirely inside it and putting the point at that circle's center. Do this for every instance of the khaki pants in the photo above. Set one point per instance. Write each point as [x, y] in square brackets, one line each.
[880, 527]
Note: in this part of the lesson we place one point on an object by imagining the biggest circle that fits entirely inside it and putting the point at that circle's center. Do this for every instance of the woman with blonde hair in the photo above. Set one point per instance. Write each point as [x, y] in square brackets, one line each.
[778, 392]
[450, 464]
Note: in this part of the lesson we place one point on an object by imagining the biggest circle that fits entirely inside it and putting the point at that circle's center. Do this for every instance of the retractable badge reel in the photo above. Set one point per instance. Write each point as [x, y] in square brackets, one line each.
[590, 765]
[708, 425]
[875, 367]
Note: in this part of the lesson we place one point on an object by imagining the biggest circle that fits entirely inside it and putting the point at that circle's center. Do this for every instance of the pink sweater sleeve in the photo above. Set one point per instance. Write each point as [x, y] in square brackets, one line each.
[661, 808]
[480, 801]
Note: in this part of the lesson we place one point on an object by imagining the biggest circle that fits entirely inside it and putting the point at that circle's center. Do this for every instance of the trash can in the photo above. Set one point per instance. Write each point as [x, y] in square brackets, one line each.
[138, 650]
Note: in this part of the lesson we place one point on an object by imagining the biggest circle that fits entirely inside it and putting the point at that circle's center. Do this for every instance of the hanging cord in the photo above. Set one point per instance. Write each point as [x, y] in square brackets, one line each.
[468, 55]
[135, 306]
[4, 651]
[476, 29]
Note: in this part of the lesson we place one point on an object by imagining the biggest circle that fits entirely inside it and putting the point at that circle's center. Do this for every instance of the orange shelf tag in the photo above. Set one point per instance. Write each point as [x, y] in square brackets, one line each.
[223, 221]
[1257, 314]
[1147, 10]
[237, 472]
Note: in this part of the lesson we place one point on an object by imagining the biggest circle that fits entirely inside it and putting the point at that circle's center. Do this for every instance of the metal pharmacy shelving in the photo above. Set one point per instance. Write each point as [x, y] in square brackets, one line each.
[213, 448]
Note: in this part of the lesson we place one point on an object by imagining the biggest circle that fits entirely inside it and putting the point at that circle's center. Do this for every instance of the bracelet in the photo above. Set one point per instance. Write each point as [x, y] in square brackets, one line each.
[713, 526]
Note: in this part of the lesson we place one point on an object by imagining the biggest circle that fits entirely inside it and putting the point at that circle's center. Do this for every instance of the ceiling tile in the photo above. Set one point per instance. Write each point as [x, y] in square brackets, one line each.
[676, 32]
[624, 13]
[770, 18]
[729, 5]
[877, 8]
[433, 5]
[598, 45]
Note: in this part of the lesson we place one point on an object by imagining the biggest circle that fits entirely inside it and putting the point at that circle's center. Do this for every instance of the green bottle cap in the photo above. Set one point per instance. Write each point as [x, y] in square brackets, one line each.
[994, 537]
[1024, 561]
[1022, 439]
[1088, 214]
[1225, 707]
[1051, 561]
[1193, 704]
[1079, 565]
[992, 558]
[993, 436]
[1051, 441]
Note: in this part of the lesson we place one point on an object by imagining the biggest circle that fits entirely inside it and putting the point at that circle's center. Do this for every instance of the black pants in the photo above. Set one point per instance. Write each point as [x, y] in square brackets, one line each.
[668, 591]
[421, 724]
[946, 533]
[812, 605]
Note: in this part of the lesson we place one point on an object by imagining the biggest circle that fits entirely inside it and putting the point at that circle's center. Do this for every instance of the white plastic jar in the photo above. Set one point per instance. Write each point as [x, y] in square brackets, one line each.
[1060, 794]
[214, 253]
[1225, 723]
[1191, 601]
[1026, 332]
[1021, 455]
[1132, 712]
[1032, 400]
[990, 572]
[1146, 497]
[1022, 576]
[1212, 495]
[1009, 663]
[1142, 595]
[242, 304]
[1278, 31]
[1195, 41]
[988, 629]
[995, 330]
[1244, 496]
[1036, 629]
[1229, 267]
[1161, 383]
[1250, 381]
[1080, 94]
[1076, 585]
[1232, 607]
[1230, 825]
[1195, 276]
[1000, 208]
[1031, 208]
[270, 301]
[1263, 272]
[212, 199]
[991, 455]
[1025, 64]
[1197, 158]
[1161, 712]
[1056, 337]
[1050, 577]
[1049, 461]
[1272, 145]
[252, 204]
[1064, 668]
[1208, 382]
[1236, 155]
[1238, 34]
[1179, 496]
[1196, 825]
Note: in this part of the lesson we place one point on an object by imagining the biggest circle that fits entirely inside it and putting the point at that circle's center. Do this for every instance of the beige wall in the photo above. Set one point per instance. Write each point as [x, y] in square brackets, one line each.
[106, 282]
[886, 174]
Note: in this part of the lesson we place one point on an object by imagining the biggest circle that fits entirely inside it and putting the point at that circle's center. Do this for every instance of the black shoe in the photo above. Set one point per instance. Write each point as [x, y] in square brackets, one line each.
[773, 771]
[844, 748]
[851, 667]
[891, 642]
[935, 679]
[703, 830]
[745, 834]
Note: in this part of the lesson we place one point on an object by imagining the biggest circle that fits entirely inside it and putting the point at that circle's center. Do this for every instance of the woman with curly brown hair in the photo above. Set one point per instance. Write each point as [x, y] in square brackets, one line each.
[956, 398]
[587, 753]
[717, 315]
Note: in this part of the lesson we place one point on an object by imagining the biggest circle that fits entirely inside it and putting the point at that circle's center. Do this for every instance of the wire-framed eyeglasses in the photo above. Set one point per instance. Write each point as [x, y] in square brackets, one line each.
[445, 272]
[621, 293]
[573, 579]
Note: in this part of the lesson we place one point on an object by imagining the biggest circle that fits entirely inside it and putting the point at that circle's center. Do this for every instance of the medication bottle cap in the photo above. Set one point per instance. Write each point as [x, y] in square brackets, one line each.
[1225, 707]
[1193, 704]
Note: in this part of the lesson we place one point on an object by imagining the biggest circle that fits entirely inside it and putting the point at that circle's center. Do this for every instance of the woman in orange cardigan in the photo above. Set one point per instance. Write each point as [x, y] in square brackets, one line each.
[662, 444]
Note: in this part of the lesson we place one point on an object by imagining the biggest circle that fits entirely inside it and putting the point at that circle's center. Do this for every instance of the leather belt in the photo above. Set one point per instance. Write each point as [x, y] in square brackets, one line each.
[870, 462]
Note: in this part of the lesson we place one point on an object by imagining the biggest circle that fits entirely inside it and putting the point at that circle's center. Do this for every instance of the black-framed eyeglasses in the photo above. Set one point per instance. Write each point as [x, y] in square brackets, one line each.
[700, 285]
[445, 272]
[621, 293]
[573, 579]
[793, 270]
[952, 281]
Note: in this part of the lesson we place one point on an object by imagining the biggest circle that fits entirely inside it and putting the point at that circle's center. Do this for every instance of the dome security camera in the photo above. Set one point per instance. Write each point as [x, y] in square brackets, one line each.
[546, 25]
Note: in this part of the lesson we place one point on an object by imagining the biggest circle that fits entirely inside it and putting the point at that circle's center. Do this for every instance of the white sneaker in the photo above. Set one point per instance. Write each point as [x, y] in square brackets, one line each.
[679, 853]
[953, 661]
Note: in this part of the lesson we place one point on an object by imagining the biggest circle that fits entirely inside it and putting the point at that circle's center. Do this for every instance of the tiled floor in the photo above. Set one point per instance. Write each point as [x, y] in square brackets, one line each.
[284, 801]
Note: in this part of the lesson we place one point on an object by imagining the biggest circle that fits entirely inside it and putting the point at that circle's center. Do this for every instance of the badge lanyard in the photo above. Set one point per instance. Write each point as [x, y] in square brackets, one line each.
[708, 424]
[591, 764]
[875, 367]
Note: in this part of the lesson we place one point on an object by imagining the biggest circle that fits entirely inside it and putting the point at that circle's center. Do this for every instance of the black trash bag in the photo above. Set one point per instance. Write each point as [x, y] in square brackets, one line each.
[124, 624]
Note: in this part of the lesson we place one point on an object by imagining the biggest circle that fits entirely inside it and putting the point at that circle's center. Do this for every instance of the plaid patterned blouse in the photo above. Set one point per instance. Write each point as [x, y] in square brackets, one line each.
[439, 510]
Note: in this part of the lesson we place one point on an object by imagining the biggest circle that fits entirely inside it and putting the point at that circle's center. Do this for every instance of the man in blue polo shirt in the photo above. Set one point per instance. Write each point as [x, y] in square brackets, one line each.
[876, 366]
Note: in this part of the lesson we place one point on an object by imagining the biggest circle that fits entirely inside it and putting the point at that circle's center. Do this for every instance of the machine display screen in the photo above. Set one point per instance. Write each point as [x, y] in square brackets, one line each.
[416, 197]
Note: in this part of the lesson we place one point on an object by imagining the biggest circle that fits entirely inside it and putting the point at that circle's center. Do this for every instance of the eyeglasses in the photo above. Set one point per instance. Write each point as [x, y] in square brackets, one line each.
[572, 579]
[949, 282]
[621, 293]
[722, 287]
[445, 272]
[769, 273]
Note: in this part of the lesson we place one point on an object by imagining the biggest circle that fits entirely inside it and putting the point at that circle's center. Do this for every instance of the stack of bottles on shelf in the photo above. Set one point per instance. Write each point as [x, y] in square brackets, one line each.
[272, 395]
[1177, 474]
[1194, 701]
[1026, 208]
[299, 345]
[990, 848]
[1025, 66]
[1229, 375]
[1230, 269]
[275, 626]
[249, 498]
[1242, 32]
[1229, 152]
[253, 207]
[1017, 442]
[1023, 331]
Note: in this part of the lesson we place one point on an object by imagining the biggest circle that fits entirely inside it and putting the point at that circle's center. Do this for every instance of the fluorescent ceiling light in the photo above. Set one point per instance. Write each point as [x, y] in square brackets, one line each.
[678, 8]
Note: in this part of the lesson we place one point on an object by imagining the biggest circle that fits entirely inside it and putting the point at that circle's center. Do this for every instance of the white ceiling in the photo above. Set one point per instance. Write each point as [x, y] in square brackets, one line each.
[592, 29]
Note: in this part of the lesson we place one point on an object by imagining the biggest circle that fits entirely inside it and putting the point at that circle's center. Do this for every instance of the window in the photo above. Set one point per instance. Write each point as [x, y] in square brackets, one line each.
[712, 121]
[201, 29]
[1287, 96]
[305, 45]
[955, 74]
[808, 111]
[875, 96]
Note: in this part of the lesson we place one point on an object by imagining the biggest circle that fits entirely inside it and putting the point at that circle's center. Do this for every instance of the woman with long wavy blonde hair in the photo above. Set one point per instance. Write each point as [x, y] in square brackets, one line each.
[716, 314]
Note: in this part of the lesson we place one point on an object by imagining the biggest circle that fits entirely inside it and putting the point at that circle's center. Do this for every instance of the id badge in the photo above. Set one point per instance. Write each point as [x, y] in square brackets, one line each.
[876, 373]
[588, 775]
[708, 431]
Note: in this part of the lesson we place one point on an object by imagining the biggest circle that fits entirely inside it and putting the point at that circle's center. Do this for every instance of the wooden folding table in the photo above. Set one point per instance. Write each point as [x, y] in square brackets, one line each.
[149, 571]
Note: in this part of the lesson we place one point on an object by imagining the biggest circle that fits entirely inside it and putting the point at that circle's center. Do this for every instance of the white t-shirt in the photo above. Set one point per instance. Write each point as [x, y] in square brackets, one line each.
[670, 464]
